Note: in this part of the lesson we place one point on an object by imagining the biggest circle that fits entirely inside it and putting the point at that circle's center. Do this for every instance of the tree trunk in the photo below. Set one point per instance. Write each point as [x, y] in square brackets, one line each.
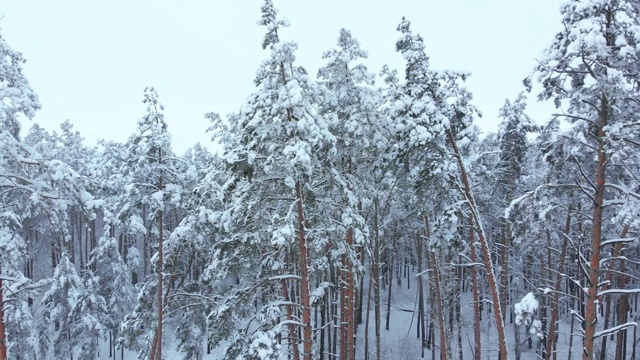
[376, 276]
[491, 278]
[439, 307]
[504, 270]
[477, 335]
[517, 348]
[367, 316]
[293, 339]
[459, 309]
[304, 282]
[623, 301]
[591, 317]
[390, 283]
[3, 334]
[552, 337]
[160, 269]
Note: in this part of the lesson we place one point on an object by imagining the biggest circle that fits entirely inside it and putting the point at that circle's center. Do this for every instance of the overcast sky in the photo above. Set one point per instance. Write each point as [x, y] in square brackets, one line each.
[89, 61]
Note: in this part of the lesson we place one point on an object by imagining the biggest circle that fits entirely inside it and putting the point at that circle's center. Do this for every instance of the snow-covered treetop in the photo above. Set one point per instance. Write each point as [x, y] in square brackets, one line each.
[270, 21]
[596, 53]
[16, 95]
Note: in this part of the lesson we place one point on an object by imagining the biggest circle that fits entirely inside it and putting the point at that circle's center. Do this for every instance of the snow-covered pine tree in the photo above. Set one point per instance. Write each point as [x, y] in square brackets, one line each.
[154, 192]
[110, 280]
[58, 303]
[350, 106]
[36, 191]
[513, 144]
[279, 152]
[432, 110]
[591, 70]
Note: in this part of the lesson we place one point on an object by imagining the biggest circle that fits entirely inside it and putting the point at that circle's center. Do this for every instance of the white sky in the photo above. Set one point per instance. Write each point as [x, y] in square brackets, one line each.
[89, 61]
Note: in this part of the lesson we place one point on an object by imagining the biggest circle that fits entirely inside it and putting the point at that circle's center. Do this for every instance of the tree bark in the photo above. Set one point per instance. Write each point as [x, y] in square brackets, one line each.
[388, 316]
[376, 276]
[293, 339]
[439, 306]
[160, 269]
[504, 269]
[591, 317]
[477, 335]
[304, 282]
[551, 337]
[623, 299]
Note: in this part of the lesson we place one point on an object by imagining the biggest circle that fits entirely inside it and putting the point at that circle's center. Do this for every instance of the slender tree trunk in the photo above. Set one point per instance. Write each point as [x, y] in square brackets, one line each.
[477, 334]
[3, 334]
[388, 315]
[439, 306]
[293, 339]
[367, 316]
[623, 308]
[361, 289]
[491, 278]
[459, 289]
[304, 282]
[351, 301]
[160, 270]
[552, 337]
[517, 348]
[323, 320]
[571, 328]
[344, 308]
[504, 269]
[591, 317]
[376, 275]
[623, 299]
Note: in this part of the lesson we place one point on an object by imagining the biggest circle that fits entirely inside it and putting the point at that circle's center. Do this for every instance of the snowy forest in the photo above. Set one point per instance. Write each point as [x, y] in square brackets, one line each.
[348, 214]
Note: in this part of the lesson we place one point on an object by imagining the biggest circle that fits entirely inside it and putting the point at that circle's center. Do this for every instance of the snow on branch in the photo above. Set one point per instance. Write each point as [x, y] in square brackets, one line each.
[615, 329]
[618, 291]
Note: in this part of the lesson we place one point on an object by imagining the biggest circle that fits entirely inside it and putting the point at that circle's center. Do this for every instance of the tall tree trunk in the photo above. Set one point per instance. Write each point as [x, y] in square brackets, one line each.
[421, 303]
[3, 333]
[160, 270]
[517, 347]
[376, 276]
[323, 323]
[459, 308]
[367, 316]
[477, 334]
[552, 337]
[491, 278]
[591, 316]
[623, 299]
[388, 315]
[293, 339]
[304, 282]
[615, 253]
[439, 306]
[504, 269]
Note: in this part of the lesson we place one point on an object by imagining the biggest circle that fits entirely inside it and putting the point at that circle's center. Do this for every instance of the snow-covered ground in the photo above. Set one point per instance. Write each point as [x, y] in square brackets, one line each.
[401, 343]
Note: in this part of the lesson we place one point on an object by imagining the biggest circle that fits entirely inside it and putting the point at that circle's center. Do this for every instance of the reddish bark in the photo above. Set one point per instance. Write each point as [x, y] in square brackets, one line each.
[304, 282]
[293, 340]
[551, 337]
[591, 317]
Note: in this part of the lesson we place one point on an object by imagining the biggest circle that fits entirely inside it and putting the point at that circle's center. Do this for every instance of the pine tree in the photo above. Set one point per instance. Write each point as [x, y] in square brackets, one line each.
[592, 68]
[155, 190]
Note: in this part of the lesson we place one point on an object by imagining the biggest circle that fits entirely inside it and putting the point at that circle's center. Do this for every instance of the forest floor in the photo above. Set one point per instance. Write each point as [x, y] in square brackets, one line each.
[400, 342]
